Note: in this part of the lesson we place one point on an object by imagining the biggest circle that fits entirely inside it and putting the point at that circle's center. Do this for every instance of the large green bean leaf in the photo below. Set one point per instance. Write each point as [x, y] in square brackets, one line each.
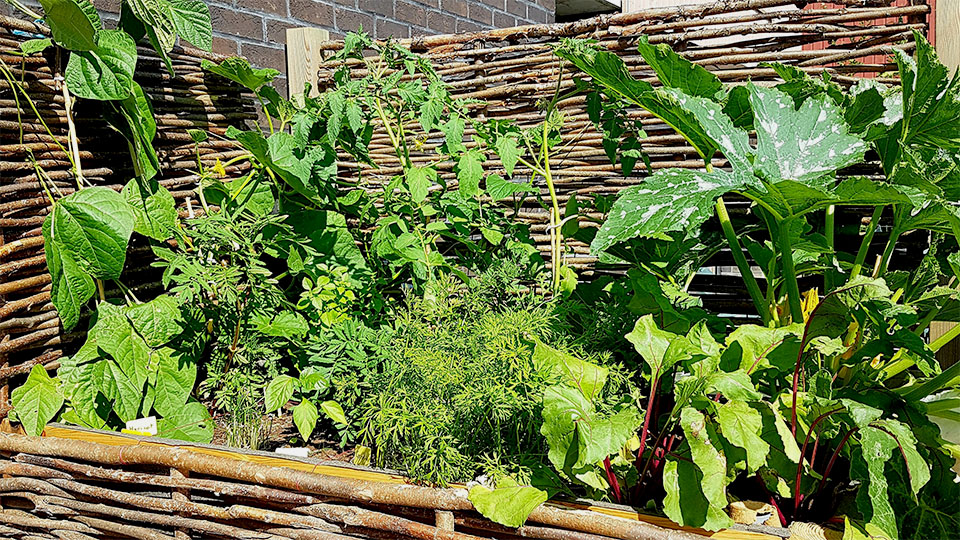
[192, 20]
[71, 286]
[38, 401]
[94, 225]
[73, 23]
[104, 72]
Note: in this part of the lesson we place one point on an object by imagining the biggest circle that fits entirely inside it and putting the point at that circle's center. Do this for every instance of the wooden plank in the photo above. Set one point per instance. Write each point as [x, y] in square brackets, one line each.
[346, 471]
[303, 58]
[947, 20]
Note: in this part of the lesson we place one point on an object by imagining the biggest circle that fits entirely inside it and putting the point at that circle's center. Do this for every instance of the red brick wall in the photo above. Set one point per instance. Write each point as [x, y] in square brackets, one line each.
[257, 29]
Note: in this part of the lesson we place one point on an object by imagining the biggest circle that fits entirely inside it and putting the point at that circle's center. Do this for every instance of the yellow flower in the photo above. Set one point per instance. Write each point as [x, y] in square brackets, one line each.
[218, 168]
[809, 303]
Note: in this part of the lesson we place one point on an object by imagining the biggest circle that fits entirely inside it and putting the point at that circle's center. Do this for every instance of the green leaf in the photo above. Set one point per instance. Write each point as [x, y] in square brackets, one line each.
[158, 20]
[285, 324]
[38, 401]
[675, 71]
[696, 490]
[120, 389]
[198, 135]
[742, 426]
[507, 505]
[176, 376]
[498, 188]
[33, 46]
[255, 196]
[587, 377]
[509, 152]
[278, 154]
[133, 118]
[931, 98]
[82, 390]
[278, 392]
[670, 200]
[115, 335]
[106, 72]
[577, 434]
[192, 20]
[754, 348]
[470, 172]
[419, 180]
[157, 321]
[733, 385]
[803, 144]
[191, 422]
[334, 411]
[239, 71]
[305, 416]
[73, 23]
[94, 225]
[918, 472]
[661, 350]
[869, 460]
[732, 141]
[155, 212]
[71, 286]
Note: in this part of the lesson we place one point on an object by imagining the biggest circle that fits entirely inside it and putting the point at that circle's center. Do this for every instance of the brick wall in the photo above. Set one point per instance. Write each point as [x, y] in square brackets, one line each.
[257, 29]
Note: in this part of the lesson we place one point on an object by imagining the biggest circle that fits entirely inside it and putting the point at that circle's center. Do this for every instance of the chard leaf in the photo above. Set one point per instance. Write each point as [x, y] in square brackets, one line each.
[735, 386]
[106, 72]
[742, 426]
[94, 225]
[508, 504]
[696, 489]
[869, 461]
[670, 200]
[801, 144]
[918, 472]
[661, 350]
[577, 434]
[675, 71]
[784, 454]
[753, 348]
[589, 378]
[38, 401]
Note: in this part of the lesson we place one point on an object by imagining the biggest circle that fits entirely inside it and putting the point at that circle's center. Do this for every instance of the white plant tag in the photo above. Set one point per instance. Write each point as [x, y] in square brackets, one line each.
[296, 452]
[143, 425]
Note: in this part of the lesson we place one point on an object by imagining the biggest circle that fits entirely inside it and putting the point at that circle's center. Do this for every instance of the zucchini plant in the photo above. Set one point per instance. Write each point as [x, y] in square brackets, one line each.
[825, 406]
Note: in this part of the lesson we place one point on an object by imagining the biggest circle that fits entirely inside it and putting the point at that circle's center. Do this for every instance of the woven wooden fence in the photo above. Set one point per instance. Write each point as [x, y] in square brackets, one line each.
[30, 330]
[513, 71]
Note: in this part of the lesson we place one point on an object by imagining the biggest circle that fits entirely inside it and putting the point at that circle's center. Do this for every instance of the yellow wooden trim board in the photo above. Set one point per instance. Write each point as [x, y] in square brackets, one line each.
[116, 439]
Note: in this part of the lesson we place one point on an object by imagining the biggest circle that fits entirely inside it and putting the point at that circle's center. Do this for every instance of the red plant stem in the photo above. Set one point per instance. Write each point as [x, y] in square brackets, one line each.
[803, 452]
[833, 459]
[773, 500]
[816, 444]
[646, 420]
[612, 478]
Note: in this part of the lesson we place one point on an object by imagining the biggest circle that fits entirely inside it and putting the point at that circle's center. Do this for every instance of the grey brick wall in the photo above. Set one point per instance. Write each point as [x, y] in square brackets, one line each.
[257, 29]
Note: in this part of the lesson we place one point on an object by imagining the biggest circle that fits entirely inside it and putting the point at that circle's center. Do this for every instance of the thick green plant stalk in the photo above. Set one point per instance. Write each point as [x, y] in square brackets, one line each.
[865, 243]
[888, 252]
[753, 288]
[790, 274]
[830, 226]
[945, 379]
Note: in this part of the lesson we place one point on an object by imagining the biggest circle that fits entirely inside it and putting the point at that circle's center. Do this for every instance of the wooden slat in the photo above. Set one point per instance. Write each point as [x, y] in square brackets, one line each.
[346, 471]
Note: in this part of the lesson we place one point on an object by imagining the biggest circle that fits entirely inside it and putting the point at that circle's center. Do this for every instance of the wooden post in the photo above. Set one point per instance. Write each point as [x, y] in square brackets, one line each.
[303, 58]
[947, 21]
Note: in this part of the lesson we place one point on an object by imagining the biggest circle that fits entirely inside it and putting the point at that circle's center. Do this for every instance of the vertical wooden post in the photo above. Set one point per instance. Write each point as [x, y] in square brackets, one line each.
[947, 21]
[303, 58]
[178, 494]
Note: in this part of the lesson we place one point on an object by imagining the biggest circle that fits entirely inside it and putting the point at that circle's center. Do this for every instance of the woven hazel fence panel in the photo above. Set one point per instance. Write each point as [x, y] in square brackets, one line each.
[514, 70]
[30, 330]
[84, 484]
